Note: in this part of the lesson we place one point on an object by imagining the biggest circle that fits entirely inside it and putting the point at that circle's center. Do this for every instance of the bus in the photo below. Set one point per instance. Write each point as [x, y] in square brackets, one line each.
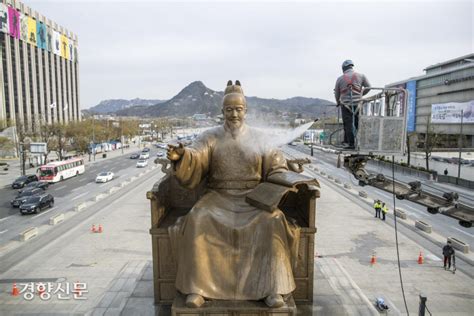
[60, 170]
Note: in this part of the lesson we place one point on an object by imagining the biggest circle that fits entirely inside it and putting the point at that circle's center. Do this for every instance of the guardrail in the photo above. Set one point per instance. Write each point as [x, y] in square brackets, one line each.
[458, 244]
[453, 180]
[56, 219]
[400, 213]
[423, 226]
[29, 233]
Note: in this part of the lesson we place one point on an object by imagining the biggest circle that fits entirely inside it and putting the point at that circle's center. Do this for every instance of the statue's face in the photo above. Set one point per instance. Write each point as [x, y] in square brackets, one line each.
[234, 114]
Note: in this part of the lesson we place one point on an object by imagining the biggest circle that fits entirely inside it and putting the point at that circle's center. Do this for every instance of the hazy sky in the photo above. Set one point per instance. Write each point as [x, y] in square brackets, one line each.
[152, 49]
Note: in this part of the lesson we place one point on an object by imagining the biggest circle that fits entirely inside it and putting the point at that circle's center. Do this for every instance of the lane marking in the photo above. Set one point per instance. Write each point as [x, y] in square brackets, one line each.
[80, 195]
[462, 231]
[45, 212]
[5, 218]
[59, 188]
[83, 179]
[3, 231]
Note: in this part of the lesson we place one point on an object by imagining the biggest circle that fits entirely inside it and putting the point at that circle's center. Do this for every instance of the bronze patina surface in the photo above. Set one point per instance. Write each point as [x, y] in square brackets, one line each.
[226, 248]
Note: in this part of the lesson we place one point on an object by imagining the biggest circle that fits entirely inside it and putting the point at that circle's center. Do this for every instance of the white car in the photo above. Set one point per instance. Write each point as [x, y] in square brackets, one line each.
[160, 154]
[104, 177]
[144, 156]
[142, 163]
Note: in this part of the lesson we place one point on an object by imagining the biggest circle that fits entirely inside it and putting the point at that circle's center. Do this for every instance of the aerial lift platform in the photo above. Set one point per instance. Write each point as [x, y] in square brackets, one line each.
[382, 131]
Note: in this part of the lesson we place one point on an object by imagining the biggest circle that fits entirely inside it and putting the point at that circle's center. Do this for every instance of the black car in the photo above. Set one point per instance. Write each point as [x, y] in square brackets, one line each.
[134, 156]
[23, 196]
[24, 180]
[35, 184]
[34, 204]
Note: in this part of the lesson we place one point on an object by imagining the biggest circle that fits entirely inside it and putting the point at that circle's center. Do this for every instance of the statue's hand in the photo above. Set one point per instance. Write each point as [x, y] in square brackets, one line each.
[175, 152]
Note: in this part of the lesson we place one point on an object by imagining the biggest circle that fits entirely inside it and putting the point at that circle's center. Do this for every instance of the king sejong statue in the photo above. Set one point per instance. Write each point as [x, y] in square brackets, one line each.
[225, 248]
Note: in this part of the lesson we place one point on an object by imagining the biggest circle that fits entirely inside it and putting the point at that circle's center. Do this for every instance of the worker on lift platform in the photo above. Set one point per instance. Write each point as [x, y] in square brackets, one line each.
[348, 91]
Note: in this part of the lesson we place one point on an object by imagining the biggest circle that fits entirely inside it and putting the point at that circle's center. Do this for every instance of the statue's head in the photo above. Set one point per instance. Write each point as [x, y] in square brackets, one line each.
[234, 105]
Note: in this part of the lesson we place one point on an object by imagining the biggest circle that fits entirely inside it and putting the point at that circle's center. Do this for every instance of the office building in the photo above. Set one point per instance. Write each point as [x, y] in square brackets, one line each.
[437, 99]
[39, 69]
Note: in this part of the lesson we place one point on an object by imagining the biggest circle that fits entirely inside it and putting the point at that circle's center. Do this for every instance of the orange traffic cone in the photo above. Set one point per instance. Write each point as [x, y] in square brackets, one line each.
[100, 229]
[373, 260]
[420, 258]
[93, 229]
[15, 291]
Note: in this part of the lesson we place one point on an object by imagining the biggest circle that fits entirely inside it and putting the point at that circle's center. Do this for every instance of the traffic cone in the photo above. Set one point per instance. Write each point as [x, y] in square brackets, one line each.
[93, 229]
[373, 260]
[15, 291]
[420, 258]
[100, 229]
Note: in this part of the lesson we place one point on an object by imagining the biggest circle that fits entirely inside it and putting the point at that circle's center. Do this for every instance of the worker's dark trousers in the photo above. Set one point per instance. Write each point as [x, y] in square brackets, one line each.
[347, 120]
[383, 215]
[377, 212]
[447, 259]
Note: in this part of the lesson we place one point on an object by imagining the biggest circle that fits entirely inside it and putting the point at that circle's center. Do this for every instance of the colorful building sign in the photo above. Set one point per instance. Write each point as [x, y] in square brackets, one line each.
[41, 35]
[4, 18]
[32, 31]
[27, 29]
[14, 22]
[411, 114]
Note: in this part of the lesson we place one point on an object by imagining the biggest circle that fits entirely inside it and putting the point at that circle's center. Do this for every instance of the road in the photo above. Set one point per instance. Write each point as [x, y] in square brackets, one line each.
[67, 194]
[444, 225]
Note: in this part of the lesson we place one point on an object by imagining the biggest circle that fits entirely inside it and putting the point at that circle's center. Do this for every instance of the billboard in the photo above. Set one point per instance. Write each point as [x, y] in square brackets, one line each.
[411, 119]
[4, 18]
[64, 46]
[32, 31]
[14, 22]
[49, 38]
[56, 43]
[23, 27]
[41, 35]
[450, 113]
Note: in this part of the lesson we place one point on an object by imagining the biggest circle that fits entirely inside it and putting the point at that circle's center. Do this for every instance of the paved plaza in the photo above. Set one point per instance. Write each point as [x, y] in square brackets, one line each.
[116, 264]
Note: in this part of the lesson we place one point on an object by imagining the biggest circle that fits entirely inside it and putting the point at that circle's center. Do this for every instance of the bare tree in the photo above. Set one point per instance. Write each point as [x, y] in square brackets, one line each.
[432, 140]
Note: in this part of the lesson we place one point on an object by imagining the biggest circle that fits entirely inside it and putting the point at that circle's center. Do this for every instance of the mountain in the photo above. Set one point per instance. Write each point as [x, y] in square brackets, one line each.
[197, 98]
[114, 105]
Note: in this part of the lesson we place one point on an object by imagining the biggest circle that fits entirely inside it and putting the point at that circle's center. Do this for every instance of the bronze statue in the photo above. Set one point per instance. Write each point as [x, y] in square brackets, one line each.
[226, 248]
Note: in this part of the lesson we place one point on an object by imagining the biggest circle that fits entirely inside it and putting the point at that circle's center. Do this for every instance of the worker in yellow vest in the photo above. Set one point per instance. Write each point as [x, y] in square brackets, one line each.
[377, 207]
[384, 211]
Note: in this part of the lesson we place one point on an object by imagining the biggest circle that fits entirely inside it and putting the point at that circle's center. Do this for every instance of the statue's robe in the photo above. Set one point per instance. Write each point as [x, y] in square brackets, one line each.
[225, 248]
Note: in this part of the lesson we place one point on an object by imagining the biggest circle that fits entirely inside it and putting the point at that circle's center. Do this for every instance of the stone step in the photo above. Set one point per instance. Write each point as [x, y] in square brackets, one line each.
[232, 308]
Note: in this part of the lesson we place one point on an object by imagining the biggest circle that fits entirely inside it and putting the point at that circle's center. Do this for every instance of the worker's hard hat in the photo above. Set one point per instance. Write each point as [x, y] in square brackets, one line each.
[347, 63]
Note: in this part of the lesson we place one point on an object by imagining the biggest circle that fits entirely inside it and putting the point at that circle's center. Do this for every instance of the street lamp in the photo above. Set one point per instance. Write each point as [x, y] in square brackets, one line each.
[121, 133]
[460, 149]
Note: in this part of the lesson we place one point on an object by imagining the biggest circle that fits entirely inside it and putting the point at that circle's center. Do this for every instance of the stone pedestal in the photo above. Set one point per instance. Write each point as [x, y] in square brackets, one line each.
[232, 308]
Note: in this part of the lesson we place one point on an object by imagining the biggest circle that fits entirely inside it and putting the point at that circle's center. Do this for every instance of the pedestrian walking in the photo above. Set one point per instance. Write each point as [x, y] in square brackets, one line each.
[384, 211]
[448, 253]
[377, 207]
[446, 171]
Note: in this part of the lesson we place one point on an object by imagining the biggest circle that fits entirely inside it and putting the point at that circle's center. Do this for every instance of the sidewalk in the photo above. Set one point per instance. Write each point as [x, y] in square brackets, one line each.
[116, 265]
[350, 234]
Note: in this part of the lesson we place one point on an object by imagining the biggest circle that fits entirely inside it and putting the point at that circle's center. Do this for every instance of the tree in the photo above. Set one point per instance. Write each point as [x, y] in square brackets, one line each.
[5, 143]
[432, 140]
[409, 143]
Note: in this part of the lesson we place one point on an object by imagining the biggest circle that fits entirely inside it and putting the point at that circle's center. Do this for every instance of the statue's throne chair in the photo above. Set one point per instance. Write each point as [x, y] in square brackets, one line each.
[169, 200]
